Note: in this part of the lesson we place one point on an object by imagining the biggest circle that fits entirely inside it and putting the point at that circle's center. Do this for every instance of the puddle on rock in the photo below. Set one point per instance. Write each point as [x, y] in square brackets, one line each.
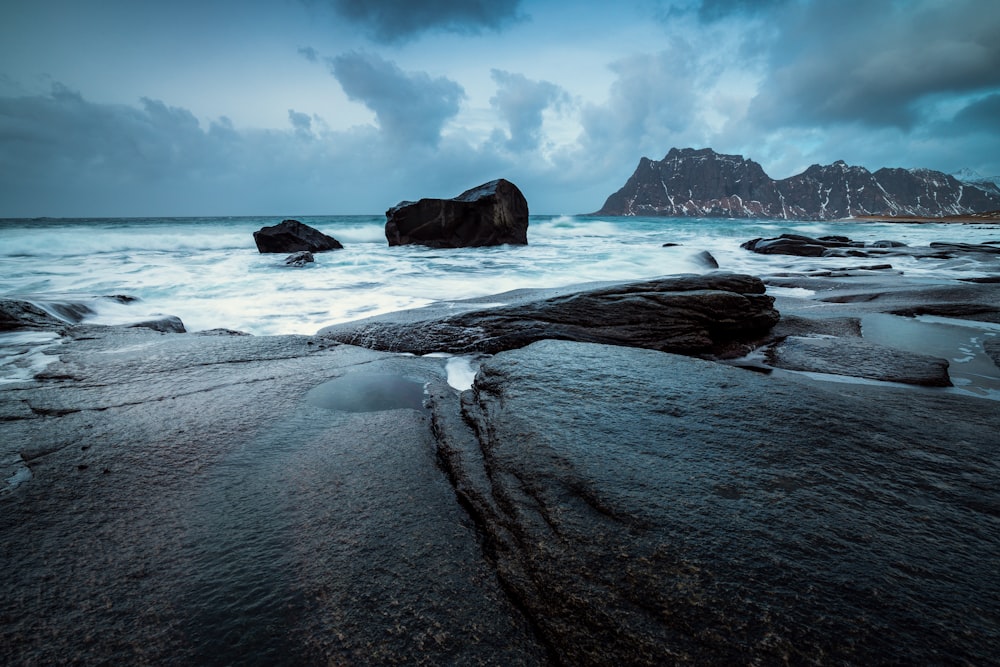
[367, 393]
[959, 341]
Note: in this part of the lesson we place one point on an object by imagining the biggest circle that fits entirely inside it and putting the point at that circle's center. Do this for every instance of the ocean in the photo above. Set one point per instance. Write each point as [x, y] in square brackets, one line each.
[207, 271]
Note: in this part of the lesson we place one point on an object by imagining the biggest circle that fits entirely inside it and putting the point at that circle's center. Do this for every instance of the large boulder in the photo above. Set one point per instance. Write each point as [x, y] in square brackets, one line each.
[293, 236]
[491, 214]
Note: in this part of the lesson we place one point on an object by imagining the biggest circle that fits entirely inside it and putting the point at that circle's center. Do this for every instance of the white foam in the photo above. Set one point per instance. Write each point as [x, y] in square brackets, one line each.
[461, 372]
[800, 292]
[22, 354]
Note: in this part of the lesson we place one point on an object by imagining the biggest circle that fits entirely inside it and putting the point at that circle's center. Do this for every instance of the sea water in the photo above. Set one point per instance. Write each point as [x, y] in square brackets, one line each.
[208, 272]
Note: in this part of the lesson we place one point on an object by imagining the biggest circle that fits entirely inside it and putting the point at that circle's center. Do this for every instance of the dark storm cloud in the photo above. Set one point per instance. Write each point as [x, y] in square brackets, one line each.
[980, 116]
[875, 63]
[521, 102]
[411, 107]
[63, 155]
[397, 20]
[42, 131]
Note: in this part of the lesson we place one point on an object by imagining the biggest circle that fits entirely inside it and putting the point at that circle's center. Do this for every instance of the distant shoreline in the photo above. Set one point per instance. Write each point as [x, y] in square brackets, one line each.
[988, 217]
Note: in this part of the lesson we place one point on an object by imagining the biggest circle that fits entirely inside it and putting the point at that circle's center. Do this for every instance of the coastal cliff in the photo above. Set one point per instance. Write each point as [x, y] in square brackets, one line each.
[702, 183]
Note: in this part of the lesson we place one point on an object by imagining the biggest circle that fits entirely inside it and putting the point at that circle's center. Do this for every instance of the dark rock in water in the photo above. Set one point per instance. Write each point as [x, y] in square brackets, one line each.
[858, 358]
[293, 236]
[839, 246]
[300, 258]
[491, 214]
[651, 509]
[670, 245]
[689, 314]
[706, 259]
[17, 314]
[795, 244]
[165, 324]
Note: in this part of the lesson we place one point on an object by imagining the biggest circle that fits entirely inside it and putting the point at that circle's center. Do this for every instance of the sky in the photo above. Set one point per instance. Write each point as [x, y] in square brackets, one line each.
[324, 107]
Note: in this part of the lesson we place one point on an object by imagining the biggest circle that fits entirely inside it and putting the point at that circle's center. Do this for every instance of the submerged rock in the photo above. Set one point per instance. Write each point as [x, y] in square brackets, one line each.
[293, 236]
[300, 258]
[687, 314]
[493, 213]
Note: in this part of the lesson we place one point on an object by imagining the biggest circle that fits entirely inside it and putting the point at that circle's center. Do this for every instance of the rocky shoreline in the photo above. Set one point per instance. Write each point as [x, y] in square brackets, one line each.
[208, 498]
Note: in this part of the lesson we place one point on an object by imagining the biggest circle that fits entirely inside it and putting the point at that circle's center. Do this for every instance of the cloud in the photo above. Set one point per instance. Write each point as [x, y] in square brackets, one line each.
[301, 122]
[652, 105]
[713, 10]
[983, 115]
[391, 21]
[309, 53]
[874, 64]
[411, 107]
[521, 102]
[64, 155]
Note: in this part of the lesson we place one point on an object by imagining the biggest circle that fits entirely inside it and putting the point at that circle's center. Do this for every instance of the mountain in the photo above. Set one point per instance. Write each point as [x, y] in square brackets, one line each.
[971, 177]
[692, 182]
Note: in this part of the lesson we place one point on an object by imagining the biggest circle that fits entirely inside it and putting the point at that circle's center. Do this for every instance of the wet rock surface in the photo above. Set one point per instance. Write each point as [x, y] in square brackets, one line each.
[493, 213]
[292, 236]
[17, 314]
[648, 508]
[692, 314]
[223, 498]
[858, 358]
[186, 504]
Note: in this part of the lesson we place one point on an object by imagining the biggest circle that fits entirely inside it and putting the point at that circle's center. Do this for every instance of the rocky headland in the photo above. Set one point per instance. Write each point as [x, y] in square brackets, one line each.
[702, 183]
[679, 471]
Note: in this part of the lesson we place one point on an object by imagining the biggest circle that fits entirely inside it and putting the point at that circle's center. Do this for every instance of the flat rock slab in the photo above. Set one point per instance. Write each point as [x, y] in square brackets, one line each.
[649, 509]
[187, 499]
[858, 358]
[688, 314]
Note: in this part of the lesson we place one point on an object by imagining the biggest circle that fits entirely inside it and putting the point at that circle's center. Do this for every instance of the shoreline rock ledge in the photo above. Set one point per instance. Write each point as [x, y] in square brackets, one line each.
[714, 315]
[493, 213]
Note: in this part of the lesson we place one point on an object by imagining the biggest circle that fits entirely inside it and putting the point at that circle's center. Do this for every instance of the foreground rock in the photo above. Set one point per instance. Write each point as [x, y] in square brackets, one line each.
[201, 500]
[291, 236]
[690, 315]
[225, 499]
[494, 213]
[652, 509]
